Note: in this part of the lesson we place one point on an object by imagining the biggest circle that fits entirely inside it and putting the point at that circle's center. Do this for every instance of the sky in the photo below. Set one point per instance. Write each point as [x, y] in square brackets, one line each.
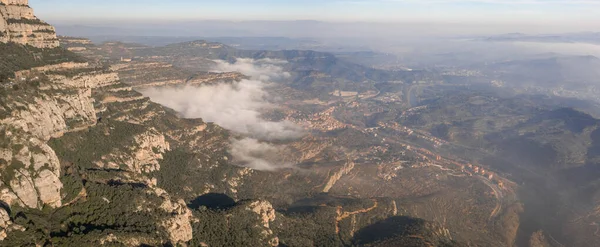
[573, 12]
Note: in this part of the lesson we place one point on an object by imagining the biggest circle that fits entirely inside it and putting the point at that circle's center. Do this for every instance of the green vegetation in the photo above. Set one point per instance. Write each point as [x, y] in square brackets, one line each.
[180, 166]
[75, 72]
[15, 57]
[235, 227]
[9, 172]
[26, 21]
[100, 140]
[403, 231]
[308, 226]
[103, 201]
[106, 209]
[154, 74]
[71, 180]
[45, 31]
[175, 172]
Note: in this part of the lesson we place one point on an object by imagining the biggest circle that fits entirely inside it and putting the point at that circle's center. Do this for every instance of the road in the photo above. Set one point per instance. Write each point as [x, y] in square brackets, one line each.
[497, 192]
[412, 97]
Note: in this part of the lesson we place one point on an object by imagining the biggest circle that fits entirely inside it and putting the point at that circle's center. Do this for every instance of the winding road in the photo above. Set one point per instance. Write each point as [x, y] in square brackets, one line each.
[497, 192]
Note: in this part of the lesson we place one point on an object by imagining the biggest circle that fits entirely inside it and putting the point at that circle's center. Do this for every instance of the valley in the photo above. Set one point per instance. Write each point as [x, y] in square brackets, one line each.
[199, 143]
[356, 148]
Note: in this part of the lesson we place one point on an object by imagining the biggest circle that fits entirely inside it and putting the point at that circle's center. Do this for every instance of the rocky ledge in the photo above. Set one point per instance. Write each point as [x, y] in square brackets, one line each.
[18, 24]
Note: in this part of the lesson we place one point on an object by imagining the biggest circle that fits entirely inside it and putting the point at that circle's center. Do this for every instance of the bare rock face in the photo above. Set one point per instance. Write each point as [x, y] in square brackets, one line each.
[266, 213]
[15, 2]
[48, 186]
[6, 225]
[47, 116]
[62, 106]
[538, 239]
[23, 187]
[32, 171]
[264, 209]
[141, 157]
[179, 225]
[18, 24]
[150, 148]
[4, 219]
[347, 168]
[92, 80]
[29, 166]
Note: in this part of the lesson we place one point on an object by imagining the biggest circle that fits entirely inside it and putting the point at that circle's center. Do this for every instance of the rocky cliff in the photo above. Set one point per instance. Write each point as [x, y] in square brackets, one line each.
[266, 214]
[40, 107]
[86, 160]
[58, 105]
[18, 24]
[31, 171]
[58, 125]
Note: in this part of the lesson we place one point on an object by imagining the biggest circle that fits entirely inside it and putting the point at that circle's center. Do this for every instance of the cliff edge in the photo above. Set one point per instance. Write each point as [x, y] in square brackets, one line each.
[18, 24]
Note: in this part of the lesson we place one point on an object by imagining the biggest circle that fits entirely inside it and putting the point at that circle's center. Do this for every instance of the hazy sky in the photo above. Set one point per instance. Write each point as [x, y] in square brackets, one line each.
[577, 12]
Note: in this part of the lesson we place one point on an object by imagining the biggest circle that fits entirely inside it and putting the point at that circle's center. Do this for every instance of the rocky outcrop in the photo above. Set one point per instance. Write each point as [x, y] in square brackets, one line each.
[347, 168]
[51, 115]
[266, 214]
[538, 239]
[18, 24]
[142, 156]
[52, 67]
[30, 168]
[31, 171]
[15, 2]
[179, 224]
[15, 11]
[264, 209]
[237, 180]
[6, 224]
[91, 80]
[64, 104]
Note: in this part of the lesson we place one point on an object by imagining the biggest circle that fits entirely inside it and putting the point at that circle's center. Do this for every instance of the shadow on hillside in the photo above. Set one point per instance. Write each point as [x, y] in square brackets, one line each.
[212, 201]
[5, 206]
[388, 228]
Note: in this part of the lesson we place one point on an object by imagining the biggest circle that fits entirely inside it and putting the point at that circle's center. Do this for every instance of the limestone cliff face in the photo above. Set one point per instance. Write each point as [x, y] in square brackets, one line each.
[48, 115]
[91, 80]
[31, 171]
[141, 157]
[347, 168]
[266, 213]
[15, 2]
[30, 168]
[18, 24]
[179, 224]
[6, 224]
[64, 105]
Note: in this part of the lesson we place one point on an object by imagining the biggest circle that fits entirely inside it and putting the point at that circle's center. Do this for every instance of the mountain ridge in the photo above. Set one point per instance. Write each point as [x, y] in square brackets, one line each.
[18, 24]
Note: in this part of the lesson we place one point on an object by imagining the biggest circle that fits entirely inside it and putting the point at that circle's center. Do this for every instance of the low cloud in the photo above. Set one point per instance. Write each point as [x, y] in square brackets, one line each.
[234, 106]
[265, 70]
[580, 49]
[237, 107]
[258, 155]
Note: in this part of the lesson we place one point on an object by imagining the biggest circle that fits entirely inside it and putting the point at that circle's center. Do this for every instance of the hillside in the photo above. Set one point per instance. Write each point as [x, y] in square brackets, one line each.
[322, 194]
[568, 71]
[19, 25]
[87, 160]
[202, 144]
[308, 67]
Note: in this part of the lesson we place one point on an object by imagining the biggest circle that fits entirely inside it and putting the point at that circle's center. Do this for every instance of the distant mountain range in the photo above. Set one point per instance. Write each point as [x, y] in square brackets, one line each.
[551, 70]
[586, 37]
